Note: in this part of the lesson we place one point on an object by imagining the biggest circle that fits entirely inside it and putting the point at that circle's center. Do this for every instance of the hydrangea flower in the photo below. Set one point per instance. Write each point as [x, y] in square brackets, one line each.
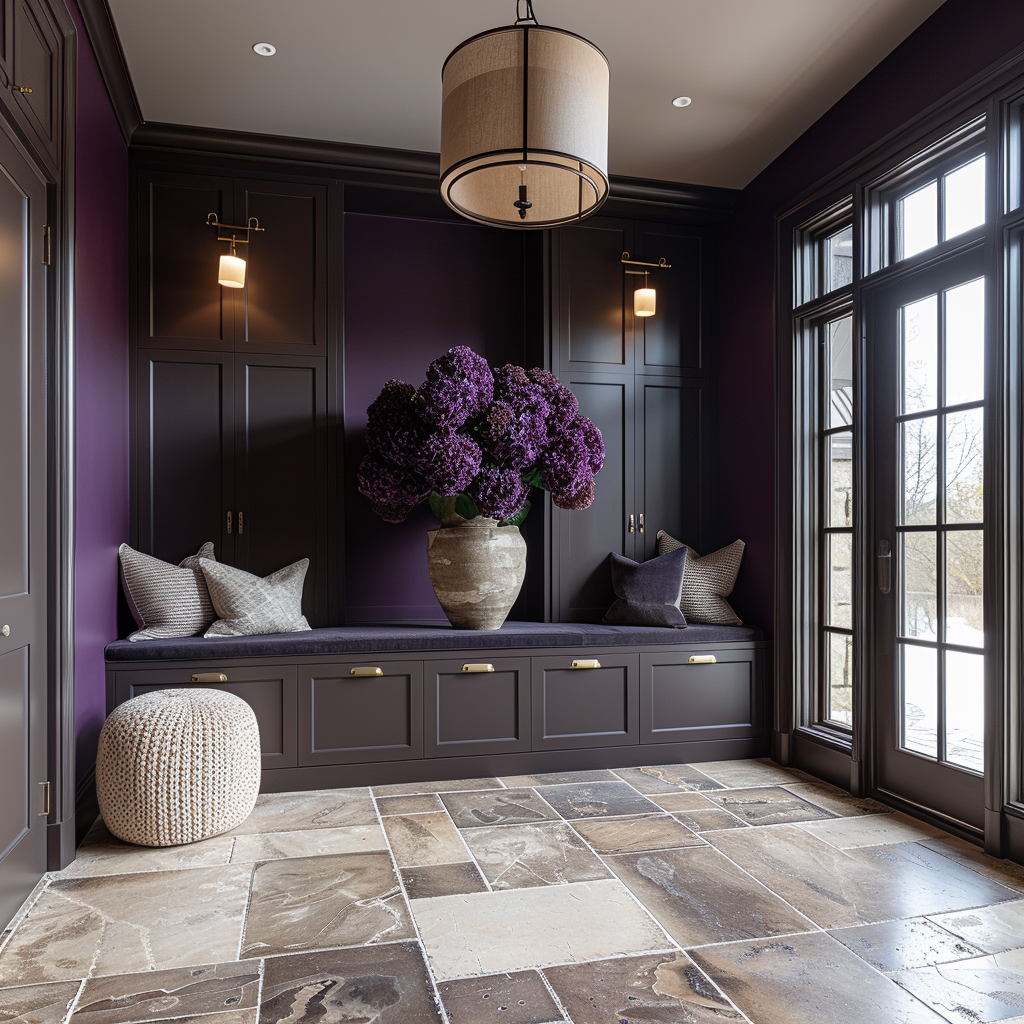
[563, 406]
[448, 461]
[579, 501]
[566, 468]
[524, 439]
[459, 386]
[393, 430]
[594, 443]
[499, 493]
[387, 484]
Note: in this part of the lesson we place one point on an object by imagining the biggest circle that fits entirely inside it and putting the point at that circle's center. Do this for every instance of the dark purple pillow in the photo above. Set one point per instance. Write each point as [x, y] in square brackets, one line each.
[647, 592]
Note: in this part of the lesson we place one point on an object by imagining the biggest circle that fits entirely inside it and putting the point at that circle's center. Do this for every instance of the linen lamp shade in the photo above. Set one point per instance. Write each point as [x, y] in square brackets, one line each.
[524, 128]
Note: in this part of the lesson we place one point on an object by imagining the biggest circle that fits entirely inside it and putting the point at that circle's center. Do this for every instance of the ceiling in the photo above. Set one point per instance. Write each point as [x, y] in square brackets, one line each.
[759, 71]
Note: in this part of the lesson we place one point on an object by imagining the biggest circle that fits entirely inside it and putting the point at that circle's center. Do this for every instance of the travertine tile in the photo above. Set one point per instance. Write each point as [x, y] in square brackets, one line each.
[669, 778]
[102, 854]
[807, 979]
[112, 924]
[836, 800]
[665, 987]
[987, 988]
[432, 880]
[449, 786]
[634, 835]
[37, 1004]
[744, 774]
[991, 929]
[709, 821]
[767, 805]
[416, 804]
[598, 800]
[518, 856]
[318, 902]
[385, 984]
[699, 897]
[898, 945]
[315, 842]
[1006, 872]
[683, 801]
[490, 932]
[418, 839]
[227, 1017]
[836, 888]
[166, 995]
[519, 998]
[870, 830]
[320, 808]
[497, 807]
[558, 778]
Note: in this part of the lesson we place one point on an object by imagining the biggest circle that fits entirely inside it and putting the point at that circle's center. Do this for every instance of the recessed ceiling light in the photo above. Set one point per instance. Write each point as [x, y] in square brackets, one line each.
[681, 101]
[264, 49]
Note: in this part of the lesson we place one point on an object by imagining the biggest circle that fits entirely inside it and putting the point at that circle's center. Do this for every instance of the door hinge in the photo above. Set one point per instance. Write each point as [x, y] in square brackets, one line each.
[229, 522]
[47, 236]
[45, 812]
[241, 523]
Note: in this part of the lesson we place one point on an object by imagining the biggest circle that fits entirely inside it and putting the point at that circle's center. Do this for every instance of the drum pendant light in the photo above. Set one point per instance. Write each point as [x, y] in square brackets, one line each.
[524, 126]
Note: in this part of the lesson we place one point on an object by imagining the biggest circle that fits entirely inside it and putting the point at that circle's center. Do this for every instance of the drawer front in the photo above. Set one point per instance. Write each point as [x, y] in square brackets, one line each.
[476, 711]
[585, 707]
[270, 692]
[347, 716]
[687, 697]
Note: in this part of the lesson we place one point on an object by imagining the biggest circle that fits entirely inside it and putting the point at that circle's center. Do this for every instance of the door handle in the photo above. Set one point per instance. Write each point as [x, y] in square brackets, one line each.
[641, 522]
[884, 566]
[366, 670]
[209, 677]
[478, 667]
[585, 663]
[632, 523]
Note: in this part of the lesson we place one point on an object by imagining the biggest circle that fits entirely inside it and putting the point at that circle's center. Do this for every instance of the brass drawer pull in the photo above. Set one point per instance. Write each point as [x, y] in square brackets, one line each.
[366, 670]
[482, 667]
[209, 677]
[703, 659]
[586, 663]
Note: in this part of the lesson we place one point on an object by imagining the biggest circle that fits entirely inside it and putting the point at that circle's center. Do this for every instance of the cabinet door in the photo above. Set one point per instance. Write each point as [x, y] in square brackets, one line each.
[36, 70]
[672, 340]
[184, 423]
[270, 692]
[684, 697]
[586, 707]
[6, 42]
[348, 718]
[283, 307]
[469, 710]
[586, 539]
[180, 304]
[595, 320]
[674, 460]
[281, 471]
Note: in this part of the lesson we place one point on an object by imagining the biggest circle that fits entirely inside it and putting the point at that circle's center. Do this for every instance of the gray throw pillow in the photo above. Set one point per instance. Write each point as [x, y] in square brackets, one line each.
[166, 600]
[250, 606]
[707, 582]
[647, 592]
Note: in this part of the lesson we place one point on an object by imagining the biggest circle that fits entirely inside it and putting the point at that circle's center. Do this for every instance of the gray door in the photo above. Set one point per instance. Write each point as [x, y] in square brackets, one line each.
[22, 531]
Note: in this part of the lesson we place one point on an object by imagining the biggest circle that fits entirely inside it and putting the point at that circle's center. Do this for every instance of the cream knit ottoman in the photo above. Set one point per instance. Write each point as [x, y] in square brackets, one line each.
[177, 766]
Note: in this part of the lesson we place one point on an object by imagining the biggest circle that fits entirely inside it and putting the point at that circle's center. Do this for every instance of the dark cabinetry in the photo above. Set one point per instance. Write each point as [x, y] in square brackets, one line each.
[649, 384]
[231, 396]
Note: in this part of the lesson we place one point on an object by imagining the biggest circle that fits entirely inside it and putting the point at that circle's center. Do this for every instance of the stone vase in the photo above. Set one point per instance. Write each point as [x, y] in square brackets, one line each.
[477, 570]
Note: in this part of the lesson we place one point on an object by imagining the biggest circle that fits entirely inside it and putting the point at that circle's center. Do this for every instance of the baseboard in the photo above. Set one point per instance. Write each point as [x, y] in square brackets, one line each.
[87, 809]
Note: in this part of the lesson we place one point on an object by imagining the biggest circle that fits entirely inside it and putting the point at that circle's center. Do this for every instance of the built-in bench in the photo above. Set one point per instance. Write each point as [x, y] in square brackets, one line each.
[359, 705]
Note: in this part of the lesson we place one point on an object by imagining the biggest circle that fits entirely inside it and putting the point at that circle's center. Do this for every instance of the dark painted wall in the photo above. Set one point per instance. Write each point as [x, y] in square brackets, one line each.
[101, 329]
[961, 39]
[413, 289]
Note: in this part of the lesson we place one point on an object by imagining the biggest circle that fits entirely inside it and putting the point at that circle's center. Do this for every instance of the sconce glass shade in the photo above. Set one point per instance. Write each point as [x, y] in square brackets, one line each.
[525, 105]
[232, 272]
[643, 302]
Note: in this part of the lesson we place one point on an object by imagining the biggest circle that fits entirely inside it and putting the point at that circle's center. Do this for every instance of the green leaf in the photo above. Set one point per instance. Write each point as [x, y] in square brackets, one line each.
[517, 519]
[465, 507]
[443, 506]
[532, 478]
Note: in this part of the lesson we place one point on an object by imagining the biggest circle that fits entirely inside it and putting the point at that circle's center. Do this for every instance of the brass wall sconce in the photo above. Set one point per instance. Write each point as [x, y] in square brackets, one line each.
[232, 267]
[644, 298]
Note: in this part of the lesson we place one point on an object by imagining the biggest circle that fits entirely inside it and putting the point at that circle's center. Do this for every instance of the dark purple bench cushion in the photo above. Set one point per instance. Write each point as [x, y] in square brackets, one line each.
[363, 639]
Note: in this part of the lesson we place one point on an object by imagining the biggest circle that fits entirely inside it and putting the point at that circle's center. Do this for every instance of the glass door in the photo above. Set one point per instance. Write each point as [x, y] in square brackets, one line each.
[926, 343]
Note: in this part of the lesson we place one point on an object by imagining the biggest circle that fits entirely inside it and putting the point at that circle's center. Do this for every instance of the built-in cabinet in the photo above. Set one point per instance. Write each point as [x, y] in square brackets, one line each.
[650, 385]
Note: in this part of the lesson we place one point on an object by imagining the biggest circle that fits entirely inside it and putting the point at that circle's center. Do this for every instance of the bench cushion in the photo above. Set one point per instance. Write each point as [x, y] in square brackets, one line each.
[362, 639]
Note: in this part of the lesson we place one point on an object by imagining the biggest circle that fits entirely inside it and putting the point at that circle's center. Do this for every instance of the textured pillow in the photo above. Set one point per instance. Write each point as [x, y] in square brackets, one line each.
[708, 581]
[166, 600]
[647, 592]
[249, 606]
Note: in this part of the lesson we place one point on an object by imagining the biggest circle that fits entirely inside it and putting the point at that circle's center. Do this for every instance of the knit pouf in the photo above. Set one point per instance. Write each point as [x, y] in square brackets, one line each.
[177, 766]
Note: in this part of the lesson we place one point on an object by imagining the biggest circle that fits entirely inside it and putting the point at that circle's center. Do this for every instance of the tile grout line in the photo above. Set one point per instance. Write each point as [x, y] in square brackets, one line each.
[554, 996]
[73, 1003]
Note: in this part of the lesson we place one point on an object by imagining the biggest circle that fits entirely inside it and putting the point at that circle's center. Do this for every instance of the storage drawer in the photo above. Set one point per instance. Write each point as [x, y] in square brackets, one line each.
[270, 692]
[701, 695]
[471, 710]
[585, 707]
[358, 711]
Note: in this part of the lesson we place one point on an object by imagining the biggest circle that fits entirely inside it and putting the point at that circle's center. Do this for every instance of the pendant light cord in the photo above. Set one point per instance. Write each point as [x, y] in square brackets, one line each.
[529, 16]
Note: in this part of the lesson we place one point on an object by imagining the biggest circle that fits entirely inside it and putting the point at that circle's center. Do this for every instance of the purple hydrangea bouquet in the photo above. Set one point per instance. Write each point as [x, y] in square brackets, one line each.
[474, 441]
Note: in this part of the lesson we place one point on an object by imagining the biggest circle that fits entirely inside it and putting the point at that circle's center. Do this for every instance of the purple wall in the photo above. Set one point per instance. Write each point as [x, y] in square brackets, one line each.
[961, 39]
[413, 289]
[101, 327]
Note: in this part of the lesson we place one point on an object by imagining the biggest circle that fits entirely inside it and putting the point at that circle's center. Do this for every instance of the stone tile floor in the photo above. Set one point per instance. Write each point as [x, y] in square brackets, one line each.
[686, 894]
